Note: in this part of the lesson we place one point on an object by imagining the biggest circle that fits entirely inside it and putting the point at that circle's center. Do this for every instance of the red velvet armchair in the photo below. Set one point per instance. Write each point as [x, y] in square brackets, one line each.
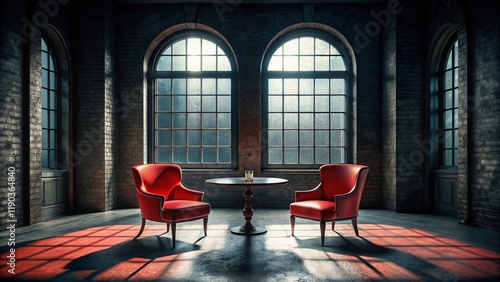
[336, 198]
[163, 198]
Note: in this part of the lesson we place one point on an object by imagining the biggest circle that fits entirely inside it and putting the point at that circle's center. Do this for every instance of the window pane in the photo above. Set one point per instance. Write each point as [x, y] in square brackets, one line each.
[448, 143]
[179, 48]
[224, 137]
[209, 48]
[275, 86]
[179, 63]
[179, 137]
[321, 121]
[275, 138]
[45, 138]
[291, 156]
[53, 100]
[194, 120]
[337, 155]
[291, 137]
[322, 63]
[223, 64]
[208, 63]
[209, 155]
[337, 63]
[448, 119]
[224, 120]
[291, 47]
[290, 63]
[194, 155]
[337, 103]
[209, 137]
[337, 121]
[53, 139]
[163, 104]
[179, 155]
[208, 104]
[275, 121]
[306, 104]
[448, 83]
[306, 86]
[179, 120]
[179, 103]
[163, 86]
[224, 86]
[194, 46]
[307, 63]
[322, 138]
[194, 63]
[291, 121]
[275, 155]
[321, 86]
[322, 48]
[163, 137]
[224, 103]
[306, 121]
[306, 138]
[321, 156]
[224, 155]
[208, 86]
[194, 86]
[193, 103]
[337, 138]
[45, 159]
[45, 118]
[194, 137]
[275, 104]
[307, 46]
[209, 120]
[179, 86]
[53, 119]
[306, 155]
[164, 63]
[276, 63]
[337, 86]
[291, 103]
[322, 104]
[45, 98]
[164, 155]
[291, 86]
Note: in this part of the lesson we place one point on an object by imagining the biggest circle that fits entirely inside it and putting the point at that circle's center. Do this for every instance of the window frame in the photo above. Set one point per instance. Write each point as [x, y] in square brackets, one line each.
[152, 93]
[52, 161]
[448, 48]
[347, 74]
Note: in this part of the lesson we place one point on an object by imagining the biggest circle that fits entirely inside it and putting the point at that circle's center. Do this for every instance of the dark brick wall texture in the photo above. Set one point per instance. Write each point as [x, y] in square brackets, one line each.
[108, 46]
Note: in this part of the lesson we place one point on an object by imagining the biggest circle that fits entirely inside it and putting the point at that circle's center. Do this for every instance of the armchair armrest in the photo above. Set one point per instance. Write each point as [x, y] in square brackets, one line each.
[182, 193]
[313, 194]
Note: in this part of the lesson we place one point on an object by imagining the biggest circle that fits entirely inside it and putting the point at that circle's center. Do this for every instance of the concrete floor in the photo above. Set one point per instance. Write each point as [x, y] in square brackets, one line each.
[392, 246]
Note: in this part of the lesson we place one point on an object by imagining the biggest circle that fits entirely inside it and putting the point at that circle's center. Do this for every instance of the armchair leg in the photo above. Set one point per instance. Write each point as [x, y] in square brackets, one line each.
[168, 227]
[355, 225]
[205, 224]
[322, 226]
[143, 223]
[173, 234]
[292, 223]
[333, 225]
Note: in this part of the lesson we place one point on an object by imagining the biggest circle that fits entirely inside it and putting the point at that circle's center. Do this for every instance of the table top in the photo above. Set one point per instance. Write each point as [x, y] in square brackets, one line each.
[240, 181]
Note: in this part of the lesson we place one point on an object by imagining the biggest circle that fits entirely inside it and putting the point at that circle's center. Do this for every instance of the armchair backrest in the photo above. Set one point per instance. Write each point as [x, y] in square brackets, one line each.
[337, 179]
[157, 178]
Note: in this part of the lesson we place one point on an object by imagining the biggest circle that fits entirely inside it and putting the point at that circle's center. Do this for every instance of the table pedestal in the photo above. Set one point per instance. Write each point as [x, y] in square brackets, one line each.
[248, 228]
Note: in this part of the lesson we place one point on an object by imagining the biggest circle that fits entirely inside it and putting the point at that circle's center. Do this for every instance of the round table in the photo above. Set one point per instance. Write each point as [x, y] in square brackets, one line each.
[248, 228]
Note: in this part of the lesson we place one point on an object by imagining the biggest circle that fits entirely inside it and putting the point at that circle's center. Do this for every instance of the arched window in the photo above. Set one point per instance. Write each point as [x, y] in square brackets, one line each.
[448, 104]
[193, 108]
[49, 107]
[306, 101]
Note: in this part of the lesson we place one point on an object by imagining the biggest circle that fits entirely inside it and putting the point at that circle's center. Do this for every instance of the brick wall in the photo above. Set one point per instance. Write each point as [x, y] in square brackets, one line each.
[483, 112]
[109, 46]
[248, 29]
[12, 104]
